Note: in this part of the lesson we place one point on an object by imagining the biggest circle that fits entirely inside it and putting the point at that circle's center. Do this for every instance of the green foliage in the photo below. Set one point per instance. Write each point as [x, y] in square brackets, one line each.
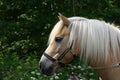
[15, 69]
[25, 26]
[21, 48]
[27, 69]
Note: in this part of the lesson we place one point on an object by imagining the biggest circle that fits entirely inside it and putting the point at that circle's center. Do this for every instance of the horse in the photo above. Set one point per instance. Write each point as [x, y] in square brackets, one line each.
[95, 41]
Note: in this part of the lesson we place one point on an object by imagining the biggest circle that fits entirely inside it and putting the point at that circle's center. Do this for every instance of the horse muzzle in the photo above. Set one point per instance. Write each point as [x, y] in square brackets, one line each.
[47, 66]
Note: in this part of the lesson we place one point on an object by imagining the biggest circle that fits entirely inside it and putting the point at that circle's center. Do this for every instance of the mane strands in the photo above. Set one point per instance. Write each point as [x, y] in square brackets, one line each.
[96, 39]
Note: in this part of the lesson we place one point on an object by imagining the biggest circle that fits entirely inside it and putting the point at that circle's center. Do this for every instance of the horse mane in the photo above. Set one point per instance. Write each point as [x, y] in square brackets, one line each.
[97, 40]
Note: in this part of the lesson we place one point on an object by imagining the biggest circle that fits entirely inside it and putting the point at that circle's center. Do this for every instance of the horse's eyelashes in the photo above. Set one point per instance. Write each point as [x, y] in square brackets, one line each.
[58, 39]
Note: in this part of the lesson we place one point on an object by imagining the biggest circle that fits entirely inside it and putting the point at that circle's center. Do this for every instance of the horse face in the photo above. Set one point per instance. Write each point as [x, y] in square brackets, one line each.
[48, 62]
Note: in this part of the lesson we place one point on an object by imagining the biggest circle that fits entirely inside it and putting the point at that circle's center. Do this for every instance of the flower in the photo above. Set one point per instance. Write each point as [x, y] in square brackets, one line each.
[79, 67]
[56, 77]
[38, 74]
[32, 72]
[76, 78]
[33, 78]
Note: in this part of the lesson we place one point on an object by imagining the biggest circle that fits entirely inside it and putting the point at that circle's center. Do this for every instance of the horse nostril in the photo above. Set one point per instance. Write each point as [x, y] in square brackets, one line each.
[40, 65]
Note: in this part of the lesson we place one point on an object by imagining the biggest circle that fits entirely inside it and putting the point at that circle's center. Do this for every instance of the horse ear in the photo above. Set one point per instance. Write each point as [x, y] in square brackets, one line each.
[64, 19]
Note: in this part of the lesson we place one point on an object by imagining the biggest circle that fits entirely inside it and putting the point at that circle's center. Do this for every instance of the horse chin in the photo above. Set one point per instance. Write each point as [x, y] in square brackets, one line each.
[51, 71]
[48, 71]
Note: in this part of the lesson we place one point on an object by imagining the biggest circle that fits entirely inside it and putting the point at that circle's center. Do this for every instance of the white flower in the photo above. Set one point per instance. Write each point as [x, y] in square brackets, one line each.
[33, 78]
[91, 79]
[91, 74]
[38, 74]
[32, 72]
[51, 78]
[79, 67]
[74, 67]
[82, 69]
[56, 77]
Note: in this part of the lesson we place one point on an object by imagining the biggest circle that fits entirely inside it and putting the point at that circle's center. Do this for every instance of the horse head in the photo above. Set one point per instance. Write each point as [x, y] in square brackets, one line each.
[59, 50]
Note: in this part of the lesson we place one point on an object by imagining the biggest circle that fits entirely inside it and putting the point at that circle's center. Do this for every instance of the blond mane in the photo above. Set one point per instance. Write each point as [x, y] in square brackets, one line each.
[96, 39]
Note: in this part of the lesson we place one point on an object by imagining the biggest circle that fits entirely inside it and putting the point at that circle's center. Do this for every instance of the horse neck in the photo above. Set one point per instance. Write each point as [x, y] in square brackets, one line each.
[105, 71]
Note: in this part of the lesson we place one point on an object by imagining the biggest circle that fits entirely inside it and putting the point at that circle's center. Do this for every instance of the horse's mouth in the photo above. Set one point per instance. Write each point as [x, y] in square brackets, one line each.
[50, 70]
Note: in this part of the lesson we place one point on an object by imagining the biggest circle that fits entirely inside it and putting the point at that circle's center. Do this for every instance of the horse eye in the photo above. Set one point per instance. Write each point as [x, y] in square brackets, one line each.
[58, 39]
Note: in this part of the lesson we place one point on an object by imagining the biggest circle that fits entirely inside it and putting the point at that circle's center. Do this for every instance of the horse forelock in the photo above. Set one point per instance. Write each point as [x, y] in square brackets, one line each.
[55, 31]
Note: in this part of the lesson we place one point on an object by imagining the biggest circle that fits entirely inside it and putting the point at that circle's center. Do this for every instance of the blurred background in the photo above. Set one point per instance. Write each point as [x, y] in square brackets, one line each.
[24, 29]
